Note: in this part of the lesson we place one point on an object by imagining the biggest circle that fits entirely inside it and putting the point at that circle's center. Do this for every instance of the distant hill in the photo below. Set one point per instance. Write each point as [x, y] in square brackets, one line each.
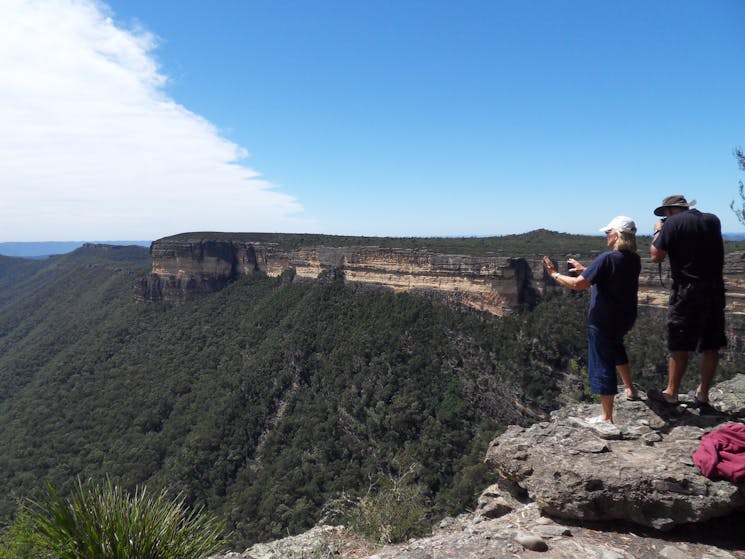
[50, 248]
[525, 244]
[734, 236]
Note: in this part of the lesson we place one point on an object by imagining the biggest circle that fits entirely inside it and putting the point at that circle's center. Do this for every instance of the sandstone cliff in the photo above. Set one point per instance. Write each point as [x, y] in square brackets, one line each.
[193, 264]
[186, 267]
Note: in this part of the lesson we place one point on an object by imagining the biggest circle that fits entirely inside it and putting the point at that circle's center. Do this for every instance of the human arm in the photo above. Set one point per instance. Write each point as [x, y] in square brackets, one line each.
[657, 254]
[577, 283]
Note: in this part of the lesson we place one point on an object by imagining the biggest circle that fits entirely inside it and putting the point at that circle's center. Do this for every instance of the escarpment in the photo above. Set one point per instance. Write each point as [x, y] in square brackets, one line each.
[186, 267]
[192, 264]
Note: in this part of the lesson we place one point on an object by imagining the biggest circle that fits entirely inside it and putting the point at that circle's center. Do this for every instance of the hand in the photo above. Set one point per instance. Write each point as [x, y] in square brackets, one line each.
[548, 265]
[576, 266]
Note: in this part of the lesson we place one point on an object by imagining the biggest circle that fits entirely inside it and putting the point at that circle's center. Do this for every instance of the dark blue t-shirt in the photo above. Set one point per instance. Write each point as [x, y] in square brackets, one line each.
[614, 276]
[693, 241]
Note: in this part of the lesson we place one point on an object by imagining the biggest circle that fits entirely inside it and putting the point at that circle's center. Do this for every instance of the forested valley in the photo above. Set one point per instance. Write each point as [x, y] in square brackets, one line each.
[268, 399]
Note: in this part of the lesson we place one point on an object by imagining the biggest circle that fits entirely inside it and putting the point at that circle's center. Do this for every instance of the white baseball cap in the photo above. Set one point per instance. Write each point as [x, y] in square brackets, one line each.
[620, 223]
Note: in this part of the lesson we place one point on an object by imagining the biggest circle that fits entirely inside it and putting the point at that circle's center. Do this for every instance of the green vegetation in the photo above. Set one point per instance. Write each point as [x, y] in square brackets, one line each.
[21, 539]
[526, 245]
[106, 522]
[269, 399]
[393, 510]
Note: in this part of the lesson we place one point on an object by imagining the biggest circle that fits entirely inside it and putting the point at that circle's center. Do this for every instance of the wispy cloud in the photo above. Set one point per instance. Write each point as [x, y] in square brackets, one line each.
[91, 146]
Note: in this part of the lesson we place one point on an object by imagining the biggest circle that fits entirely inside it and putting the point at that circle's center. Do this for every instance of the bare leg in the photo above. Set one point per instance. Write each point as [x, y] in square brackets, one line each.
[607, 404]
[709, 362]
[625, 372]
[676, 368]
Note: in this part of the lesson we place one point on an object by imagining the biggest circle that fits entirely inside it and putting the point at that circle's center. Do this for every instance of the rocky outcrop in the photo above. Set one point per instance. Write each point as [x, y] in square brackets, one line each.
[319, 542]
[640, 471]
[521, 533]
[182, 269]
[576, 490]
[527, 533]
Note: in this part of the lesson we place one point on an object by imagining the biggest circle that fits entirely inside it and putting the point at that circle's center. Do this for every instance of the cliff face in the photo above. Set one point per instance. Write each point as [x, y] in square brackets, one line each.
[190, 265]
[182, 269]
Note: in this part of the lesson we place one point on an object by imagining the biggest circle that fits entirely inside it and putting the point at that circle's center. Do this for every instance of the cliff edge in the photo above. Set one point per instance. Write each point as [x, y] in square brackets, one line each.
[573, 490]
[191, 265]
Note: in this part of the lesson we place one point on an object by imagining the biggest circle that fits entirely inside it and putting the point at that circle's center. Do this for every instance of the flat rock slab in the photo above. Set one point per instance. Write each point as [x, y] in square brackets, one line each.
[508, 537]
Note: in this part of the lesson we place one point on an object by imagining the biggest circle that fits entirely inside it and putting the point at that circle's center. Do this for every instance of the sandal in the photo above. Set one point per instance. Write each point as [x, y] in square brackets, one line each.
[632, 395]
[697, 402]
[661, 397]
[704, 408]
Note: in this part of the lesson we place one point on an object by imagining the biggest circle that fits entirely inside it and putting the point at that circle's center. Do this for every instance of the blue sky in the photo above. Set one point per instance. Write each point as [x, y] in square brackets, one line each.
[137, 119]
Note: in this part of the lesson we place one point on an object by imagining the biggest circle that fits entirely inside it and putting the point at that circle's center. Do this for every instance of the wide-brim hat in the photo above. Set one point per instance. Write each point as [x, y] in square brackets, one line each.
[674, 201]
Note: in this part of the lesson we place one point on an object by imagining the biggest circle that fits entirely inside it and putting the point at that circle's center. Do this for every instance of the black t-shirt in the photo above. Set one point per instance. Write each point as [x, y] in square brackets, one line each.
[693, 242]
[614, 276]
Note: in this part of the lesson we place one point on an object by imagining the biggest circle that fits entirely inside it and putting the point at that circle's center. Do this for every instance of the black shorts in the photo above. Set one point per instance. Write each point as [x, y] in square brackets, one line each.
[695, 320]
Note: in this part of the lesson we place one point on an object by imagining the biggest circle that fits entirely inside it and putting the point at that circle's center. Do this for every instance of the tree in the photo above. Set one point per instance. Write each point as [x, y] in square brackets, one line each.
[740, 213]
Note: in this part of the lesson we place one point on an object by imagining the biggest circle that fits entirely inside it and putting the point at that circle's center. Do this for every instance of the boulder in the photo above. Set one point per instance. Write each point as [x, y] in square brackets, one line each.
[317, 540]
[728, 397]
[320, 541]
[499, 499]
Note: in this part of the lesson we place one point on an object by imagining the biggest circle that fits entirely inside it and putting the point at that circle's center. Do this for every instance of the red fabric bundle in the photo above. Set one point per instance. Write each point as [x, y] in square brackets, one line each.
[722, 453]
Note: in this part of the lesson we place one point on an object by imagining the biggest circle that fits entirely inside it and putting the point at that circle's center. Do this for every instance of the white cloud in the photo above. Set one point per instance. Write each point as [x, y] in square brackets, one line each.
[91, 147]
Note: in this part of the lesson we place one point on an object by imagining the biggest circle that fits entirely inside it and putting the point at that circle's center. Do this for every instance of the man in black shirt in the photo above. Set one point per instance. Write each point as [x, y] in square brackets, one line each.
[693, 241]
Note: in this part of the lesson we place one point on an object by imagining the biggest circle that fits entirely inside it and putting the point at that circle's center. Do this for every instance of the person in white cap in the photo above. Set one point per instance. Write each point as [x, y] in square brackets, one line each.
[614, 278]
[695, 322]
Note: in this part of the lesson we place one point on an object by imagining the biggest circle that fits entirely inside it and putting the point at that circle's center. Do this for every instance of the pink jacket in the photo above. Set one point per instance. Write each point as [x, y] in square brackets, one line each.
[722, 453]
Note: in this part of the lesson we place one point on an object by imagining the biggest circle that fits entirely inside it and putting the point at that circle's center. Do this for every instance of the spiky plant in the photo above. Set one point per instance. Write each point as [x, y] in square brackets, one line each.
[106, 522]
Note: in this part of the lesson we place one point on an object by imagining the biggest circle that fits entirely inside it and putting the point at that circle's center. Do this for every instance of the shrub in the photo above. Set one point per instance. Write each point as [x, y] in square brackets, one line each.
[20, 540]
[393, 510]
[106, 522]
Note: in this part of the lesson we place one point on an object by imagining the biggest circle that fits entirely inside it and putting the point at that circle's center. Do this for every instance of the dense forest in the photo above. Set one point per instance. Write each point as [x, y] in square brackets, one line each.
[264, 401]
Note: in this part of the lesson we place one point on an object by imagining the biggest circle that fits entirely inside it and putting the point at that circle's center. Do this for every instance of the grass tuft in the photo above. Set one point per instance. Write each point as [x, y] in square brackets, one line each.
[107, 522]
